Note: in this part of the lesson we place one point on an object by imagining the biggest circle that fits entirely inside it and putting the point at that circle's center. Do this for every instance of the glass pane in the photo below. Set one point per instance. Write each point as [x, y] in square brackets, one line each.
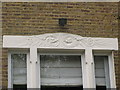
[19, 70]
[61, 70]
[102, 71]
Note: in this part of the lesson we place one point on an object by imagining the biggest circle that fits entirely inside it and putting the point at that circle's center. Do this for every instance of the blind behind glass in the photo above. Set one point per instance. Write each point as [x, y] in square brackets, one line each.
[61, 70]
[19, 70]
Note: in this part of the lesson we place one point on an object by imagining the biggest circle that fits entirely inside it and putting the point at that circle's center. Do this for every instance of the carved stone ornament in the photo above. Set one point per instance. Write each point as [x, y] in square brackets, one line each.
[59, 40]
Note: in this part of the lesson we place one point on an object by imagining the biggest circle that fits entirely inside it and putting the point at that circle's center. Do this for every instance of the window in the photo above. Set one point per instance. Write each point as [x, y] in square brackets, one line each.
[64, 70]
[81, 66]
[61, 72]
[18, 77]
[102, 72]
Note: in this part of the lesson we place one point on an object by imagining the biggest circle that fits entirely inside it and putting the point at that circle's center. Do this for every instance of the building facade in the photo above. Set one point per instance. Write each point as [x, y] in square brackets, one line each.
[89, 37]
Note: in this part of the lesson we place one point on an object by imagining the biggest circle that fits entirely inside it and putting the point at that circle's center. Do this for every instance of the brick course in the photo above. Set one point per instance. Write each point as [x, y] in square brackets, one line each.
[96, 19]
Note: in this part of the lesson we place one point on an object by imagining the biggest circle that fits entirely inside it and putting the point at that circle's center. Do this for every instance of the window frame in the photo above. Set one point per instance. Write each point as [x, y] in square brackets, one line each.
[10, 65]
[63, 41]
[80, 53]
[111, 66]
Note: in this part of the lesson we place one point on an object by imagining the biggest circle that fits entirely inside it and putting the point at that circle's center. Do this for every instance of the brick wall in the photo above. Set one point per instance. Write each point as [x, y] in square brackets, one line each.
[97, 19]
[4, 68]
[119, 36]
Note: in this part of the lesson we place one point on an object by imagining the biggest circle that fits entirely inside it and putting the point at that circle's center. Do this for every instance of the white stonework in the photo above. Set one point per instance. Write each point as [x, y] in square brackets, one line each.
[62, 41]
[59, 40]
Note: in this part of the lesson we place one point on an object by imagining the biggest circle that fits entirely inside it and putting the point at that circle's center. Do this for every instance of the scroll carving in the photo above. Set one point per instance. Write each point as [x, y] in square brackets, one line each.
[59, 40]
[50, 40]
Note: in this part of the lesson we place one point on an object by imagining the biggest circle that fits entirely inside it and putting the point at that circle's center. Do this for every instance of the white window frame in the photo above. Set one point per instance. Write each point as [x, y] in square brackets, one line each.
[81, 53]
[10, 65]
[63, 41]
[111, 67]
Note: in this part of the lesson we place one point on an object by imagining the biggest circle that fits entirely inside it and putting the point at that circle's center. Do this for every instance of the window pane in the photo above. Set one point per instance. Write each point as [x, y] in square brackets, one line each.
[19, 70]
[61, 70]
[102, 71]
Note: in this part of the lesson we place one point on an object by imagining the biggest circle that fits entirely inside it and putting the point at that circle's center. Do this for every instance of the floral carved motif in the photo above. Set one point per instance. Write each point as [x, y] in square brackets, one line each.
[71, 41]
[59, 40]
[51, 40]
[90, 42]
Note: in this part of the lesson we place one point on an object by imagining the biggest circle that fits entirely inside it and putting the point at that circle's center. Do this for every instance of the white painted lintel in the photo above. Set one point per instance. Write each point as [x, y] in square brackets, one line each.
[62, 41]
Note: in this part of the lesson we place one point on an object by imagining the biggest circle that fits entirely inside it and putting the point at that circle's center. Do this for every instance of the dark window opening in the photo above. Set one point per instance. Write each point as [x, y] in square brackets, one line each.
[19, 87]
[100, 87]
[62, 88]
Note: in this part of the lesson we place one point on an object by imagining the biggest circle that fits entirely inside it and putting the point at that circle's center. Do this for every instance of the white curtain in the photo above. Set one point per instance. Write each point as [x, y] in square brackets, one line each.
[61, 70]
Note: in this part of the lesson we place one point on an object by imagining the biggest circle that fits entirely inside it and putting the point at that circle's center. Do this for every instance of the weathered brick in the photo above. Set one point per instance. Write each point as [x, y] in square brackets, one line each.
[93, 19]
